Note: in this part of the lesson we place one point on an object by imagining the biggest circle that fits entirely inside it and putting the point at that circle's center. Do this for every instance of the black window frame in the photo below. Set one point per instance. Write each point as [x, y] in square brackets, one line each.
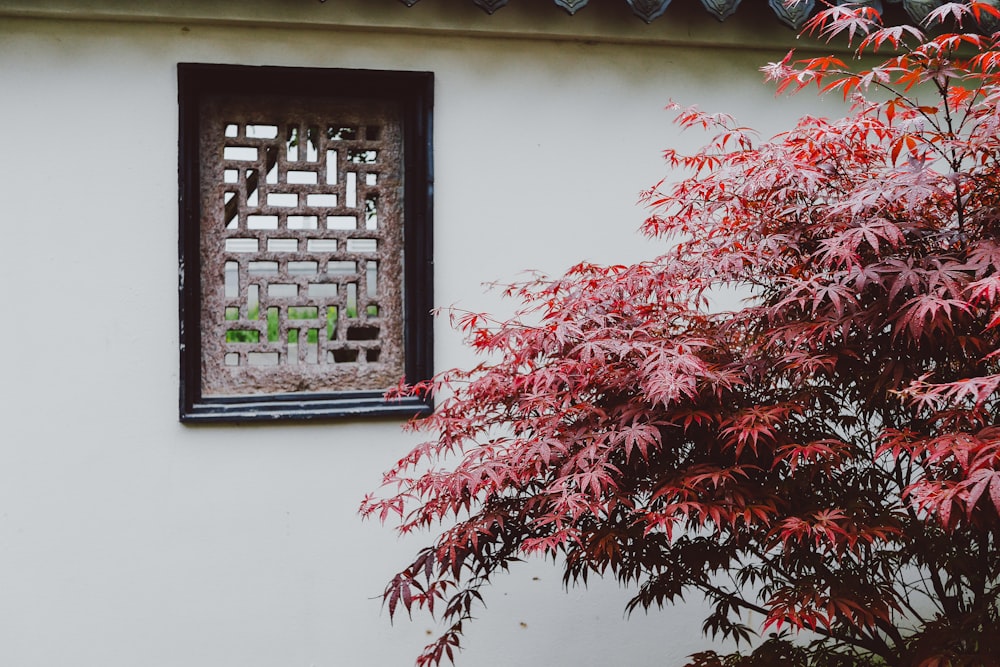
[414, 91]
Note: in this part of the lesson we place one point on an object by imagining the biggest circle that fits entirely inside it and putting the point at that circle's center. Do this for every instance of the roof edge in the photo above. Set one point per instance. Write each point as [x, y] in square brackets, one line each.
[793, 13]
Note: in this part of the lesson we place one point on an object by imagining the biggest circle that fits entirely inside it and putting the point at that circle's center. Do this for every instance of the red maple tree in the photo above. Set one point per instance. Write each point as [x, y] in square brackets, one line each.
[832, 447]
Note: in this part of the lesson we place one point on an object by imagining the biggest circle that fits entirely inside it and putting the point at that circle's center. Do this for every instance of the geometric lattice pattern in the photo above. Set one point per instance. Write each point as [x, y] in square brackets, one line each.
[301, 244]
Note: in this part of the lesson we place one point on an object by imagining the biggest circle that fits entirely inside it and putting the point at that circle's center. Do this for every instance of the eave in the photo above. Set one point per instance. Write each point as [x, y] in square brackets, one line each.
[793, 13]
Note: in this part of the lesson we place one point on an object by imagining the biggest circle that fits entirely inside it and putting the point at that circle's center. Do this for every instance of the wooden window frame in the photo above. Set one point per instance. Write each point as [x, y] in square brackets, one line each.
[413, 92]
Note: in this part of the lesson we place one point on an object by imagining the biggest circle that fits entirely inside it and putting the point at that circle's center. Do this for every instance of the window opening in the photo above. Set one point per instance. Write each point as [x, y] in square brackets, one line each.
[299, 210]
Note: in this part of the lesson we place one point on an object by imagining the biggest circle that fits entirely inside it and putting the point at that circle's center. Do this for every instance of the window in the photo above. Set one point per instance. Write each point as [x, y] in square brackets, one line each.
[305, 241]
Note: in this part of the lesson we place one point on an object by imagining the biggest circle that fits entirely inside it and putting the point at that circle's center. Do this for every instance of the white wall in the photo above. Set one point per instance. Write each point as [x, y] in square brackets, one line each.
[127, 539]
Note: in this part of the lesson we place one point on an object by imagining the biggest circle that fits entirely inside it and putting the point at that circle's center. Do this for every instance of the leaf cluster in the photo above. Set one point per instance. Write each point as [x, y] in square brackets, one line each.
[827, 456]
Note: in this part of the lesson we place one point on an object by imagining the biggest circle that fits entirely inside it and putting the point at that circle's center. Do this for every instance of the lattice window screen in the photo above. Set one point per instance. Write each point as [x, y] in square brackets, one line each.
[301, 245]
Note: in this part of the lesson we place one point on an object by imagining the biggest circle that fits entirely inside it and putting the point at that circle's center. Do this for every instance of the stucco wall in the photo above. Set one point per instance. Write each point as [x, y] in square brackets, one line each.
[127, 539]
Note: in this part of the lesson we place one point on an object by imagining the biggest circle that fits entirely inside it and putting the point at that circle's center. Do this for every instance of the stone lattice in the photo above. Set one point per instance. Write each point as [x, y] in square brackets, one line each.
[301, 244]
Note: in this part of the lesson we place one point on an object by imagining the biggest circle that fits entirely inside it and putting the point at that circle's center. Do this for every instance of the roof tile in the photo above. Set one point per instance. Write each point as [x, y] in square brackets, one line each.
[793, 13]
